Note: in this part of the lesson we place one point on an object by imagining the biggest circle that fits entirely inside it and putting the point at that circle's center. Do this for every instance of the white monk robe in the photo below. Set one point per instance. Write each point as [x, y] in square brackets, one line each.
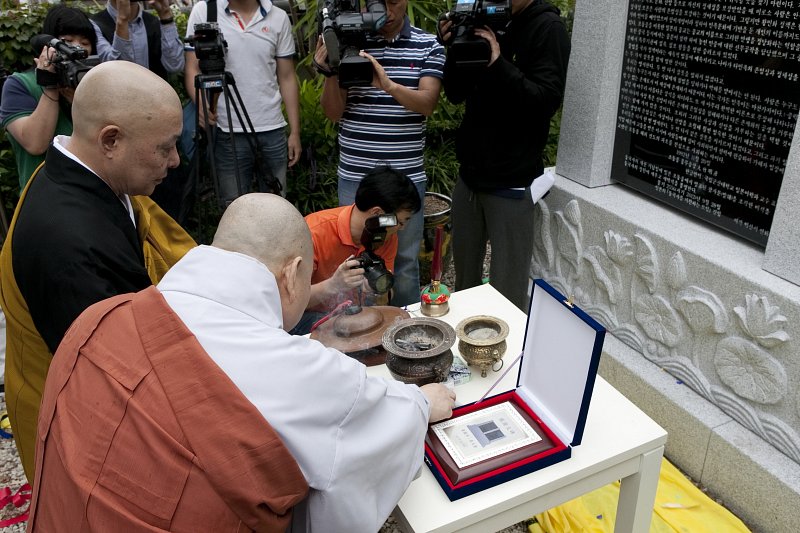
[358, 439]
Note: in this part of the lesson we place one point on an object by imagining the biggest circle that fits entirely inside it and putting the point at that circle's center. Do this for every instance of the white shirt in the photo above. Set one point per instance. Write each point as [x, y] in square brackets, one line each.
[357, 439]
[253, 50]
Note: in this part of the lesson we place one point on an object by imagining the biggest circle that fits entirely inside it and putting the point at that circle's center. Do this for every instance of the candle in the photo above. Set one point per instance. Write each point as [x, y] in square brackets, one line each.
[436, 262]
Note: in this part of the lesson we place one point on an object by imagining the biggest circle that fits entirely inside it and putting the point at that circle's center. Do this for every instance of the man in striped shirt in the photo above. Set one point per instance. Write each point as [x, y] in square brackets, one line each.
[384, 123]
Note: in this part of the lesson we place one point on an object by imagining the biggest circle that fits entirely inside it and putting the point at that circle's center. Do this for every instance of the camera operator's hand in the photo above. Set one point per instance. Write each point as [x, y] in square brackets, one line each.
[44, 61]
[380, 80]
[441, 399]
[161, 7]
[125, 13]
[489, 35]
[211, 118]
[444, 34]
[348, 276]
[321, 58]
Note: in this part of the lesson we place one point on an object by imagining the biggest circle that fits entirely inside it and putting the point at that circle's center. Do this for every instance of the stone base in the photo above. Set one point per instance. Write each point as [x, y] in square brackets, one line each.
[700, 337]
[753, 480]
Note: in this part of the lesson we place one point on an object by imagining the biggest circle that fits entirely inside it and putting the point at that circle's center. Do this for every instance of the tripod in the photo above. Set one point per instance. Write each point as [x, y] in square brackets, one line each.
[205, 87]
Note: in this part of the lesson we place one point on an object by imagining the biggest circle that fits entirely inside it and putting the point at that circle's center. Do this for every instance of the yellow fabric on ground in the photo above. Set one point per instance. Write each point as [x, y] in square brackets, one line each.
[680, 507]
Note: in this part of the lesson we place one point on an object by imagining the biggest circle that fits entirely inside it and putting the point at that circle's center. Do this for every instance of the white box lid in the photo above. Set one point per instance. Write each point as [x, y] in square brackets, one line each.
[561, 354]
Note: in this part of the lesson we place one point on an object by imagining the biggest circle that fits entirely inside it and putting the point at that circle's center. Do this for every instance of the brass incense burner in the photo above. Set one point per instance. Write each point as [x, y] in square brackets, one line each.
[358, 331]
[418, 350]
[482, 342]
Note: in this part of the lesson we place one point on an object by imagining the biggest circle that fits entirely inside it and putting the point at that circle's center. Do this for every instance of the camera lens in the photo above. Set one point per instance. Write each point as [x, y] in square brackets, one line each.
[380, 279]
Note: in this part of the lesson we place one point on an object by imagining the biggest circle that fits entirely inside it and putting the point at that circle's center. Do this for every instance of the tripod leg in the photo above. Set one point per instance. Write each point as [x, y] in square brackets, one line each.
[241, 188]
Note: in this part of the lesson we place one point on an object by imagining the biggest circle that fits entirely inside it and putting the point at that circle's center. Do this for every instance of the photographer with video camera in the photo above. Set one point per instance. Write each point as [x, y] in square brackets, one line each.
[33, 114]
[381, 113]
[511, 74]
[355, 246]
[257, 50]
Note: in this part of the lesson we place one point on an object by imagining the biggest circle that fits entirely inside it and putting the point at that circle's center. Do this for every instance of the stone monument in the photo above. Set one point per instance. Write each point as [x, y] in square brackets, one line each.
[675, 221]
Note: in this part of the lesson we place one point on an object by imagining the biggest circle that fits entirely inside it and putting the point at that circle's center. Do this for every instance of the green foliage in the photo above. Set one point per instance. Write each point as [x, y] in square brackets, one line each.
[17, 26]
[441, 164]
[312, 182]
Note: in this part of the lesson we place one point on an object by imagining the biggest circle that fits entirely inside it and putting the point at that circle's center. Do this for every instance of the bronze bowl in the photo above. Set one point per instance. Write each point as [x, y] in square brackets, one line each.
[482, 341]
[418, 350]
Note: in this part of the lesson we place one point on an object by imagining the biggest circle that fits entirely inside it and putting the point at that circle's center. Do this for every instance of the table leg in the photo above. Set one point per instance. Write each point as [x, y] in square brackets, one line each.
[637, 494]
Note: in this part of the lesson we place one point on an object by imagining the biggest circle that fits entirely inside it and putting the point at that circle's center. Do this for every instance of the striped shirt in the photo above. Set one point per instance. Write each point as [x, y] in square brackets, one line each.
[374, 128]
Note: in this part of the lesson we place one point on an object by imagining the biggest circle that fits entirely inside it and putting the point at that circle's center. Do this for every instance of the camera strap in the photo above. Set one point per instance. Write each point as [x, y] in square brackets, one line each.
[211, 11]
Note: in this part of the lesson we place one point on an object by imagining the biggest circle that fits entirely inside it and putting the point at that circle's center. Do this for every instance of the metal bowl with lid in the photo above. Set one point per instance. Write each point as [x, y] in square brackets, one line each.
[418, 350]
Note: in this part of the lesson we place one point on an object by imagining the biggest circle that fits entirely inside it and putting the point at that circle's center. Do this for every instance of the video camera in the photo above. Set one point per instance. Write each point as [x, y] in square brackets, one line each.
[344, 28]
[209, 47]
[71, 63]
[378, 277]
[464, 47]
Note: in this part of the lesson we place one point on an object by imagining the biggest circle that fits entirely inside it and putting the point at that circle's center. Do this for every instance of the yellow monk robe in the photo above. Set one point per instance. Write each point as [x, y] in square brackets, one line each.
[71, 243]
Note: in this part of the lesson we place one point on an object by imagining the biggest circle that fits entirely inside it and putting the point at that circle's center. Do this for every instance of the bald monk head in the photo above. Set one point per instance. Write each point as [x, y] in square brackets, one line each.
[268, 228]
[126, 121]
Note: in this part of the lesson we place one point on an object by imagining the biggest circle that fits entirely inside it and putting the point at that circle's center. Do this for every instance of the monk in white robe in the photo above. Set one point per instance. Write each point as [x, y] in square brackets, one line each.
[357, 440]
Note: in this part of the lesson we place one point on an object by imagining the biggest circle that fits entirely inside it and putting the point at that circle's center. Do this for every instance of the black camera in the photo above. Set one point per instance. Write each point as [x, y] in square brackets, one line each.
[464, 47]
[71, 63]
[344, 28]
[209, 47]
[379, 278]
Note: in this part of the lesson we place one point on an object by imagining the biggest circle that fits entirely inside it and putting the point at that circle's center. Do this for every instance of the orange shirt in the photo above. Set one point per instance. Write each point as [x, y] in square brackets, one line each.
[330, 231]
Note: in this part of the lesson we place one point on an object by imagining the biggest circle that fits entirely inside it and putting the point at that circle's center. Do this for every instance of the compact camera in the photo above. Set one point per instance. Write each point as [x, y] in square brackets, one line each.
[209, 47]
[71, 63]
[464, 47]
[379, 278]
[344, 28]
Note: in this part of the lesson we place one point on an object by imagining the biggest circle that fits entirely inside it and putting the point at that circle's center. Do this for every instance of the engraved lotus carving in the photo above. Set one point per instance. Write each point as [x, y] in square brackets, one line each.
[750, 371]
[620, 249]
[702, 310]
[676, 271]
[655, 300]
[570, 235]
[658, 319]
[646, 262]
[606, 273]
[762, 321]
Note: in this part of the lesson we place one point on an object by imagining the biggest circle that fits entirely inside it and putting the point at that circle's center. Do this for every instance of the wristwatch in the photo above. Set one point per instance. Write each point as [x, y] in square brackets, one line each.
[164, 22]
[325, 72]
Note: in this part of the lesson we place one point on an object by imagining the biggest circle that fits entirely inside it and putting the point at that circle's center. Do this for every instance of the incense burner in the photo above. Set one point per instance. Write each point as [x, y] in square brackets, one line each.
[482, 342]
[418, 350]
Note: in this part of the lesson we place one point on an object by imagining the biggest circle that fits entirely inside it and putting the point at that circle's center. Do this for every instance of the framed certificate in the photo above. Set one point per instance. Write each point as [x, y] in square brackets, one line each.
[486, 439]
[484, 434]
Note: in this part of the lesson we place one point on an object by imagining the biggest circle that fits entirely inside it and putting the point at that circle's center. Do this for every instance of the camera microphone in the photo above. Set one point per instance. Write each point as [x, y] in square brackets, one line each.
[40, 41]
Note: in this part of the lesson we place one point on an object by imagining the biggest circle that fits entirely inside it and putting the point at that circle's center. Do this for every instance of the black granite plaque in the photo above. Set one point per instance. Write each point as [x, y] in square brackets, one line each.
[707, 107]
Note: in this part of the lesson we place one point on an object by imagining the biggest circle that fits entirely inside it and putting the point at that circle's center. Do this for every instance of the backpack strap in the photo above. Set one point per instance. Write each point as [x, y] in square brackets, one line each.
[211, 15]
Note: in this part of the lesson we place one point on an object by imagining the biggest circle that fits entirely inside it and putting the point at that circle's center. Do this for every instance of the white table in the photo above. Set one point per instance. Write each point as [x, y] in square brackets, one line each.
[620, 442]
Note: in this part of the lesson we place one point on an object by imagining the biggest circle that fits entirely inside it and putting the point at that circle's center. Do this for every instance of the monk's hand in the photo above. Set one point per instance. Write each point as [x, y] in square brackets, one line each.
[441, 399]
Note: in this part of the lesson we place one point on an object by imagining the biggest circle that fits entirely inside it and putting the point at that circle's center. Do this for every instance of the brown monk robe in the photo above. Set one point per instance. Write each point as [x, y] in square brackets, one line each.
[139, 429]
